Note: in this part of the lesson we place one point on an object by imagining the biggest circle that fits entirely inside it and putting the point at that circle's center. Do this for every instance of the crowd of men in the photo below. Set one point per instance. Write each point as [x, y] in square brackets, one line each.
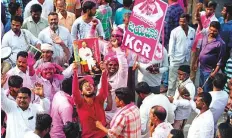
[124, 95]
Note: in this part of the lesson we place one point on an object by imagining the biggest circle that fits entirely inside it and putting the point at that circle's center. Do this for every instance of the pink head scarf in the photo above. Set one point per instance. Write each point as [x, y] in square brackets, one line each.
[111, 57]
[54, 66]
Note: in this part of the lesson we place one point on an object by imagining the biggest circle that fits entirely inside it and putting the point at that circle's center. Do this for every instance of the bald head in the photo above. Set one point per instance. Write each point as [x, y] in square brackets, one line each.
[159, 112]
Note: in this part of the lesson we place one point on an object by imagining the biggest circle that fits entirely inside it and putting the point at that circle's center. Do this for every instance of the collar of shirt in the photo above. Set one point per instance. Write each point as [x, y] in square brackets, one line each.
[7, 92]
[31, 20]
[21, 34]
[147, 99]
[60, 16]
[18, 71]
[218, 38]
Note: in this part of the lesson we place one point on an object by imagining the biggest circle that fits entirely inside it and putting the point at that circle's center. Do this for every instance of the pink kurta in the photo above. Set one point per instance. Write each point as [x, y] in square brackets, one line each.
[61, 112]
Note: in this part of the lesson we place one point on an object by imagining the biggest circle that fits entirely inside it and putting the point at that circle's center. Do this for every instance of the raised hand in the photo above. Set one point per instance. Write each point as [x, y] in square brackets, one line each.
[30, 60]
[38, 89]
[3, 79]
[56, 39]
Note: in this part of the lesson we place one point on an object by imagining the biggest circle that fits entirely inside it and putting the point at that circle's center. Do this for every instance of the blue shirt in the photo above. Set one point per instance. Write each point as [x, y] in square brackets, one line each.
[6, 3]
[171, 21]
[226, 33]
[221, 20]
[119, 15]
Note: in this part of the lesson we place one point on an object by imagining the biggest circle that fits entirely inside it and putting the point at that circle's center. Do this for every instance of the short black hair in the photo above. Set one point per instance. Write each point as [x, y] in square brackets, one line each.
[43, 122]
[88, 5]
[66, 86]
[127, 3]
[185, 68]
[176, 133]
[215, 24]
[142, 87]
[211, 3]
[160, 112]
[206, 97]
[22, 54]
[225, 130]
[17, 19]
[15, 81]
[186, 16]
[25, 90]
[13, 7]
[219, 81]
[53, 13]
[124, 94]
[71, 130]
[36, 8]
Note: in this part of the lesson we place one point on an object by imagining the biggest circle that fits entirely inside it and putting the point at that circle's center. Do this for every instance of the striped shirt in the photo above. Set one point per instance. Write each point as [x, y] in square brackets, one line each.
[126, 123]
[228, 72]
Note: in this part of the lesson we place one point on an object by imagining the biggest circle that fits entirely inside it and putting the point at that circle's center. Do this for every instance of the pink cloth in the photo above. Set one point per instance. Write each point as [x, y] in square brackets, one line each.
[61, 112]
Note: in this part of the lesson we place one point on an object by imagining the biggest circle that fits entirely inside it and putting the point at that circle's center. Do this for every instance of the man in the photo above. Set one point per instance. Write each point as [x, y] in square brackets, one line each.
[15, 10]
[118, 18]
[224, 130]
[180, 44]
[219, 98]
[15, 82]
[62, 109]
[172, 18]
[21, 38]
[184, 81]
[42, 126]
[204, 19]
[171, 21]
[35, 23]
[66, 18]
[83, 25]
[47, 56]
[203, 124]
[21, 114]
[58, 36]
[226, 31]
[73, 6]
[104, 14]
[158, 127]
[152, 71]
[24, 68]
[149, 100]
[48, 75]
[89, 106]
[211, 55]
[126, 122]
[47, 6]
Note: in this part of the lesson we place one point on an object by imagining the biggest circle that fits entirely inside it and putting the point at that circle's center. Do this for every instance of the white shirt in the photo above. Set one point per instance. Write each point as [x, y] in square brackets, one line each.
[81, 29]
[47, 7]
[31, 134]
[218, 104]
[180, 45]
[183, 108]
[162, 130]
[19, 121]
[18, 43]
[153, 80]
[202, 126]
[148, 103]
[63, 33]
[84, 51]
[188, 84]
[28, 81]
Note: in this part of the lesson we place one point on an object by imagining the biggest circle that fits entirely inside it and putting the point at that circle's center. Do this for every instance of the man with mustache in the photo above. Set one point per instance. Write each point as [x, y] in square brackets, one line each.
[22, 113]
[90, 107]
[211, 55]
[58, 36]
[24, 68]
[18, 39]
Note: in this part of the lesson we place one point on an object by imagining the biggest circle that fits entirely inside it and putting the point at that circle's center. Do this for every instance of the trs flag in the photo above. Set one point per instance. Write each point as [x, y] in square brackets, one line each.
[144, 29]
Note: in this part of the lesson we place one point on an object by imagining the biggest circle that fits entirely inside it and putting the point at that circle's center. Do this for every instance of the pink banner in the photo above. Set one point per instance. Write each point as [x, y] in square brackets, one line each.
[144, 29]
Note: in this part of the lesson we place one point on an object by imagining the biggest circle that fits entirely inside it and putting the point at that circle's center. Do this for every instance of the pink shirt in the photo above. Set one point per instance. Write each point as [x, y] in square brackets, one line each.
[61, 112]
